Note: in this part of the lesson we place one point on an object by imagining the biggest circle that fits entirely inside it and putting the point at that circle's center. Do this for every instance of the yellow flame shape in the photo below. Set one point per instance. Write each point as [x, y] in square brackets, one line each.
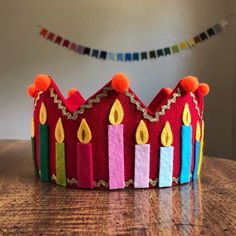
[32, 128]
[186, 117]
[59, 131]
[166, 135]
[198, 132]
[141, 133]
[116, 114]
[84, 134]
[43, 114]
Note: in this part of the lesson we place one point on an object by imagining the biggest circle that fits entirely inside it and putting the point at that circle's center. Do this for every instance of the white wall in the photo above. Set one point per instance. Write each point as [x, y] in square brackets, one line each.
[117, 26]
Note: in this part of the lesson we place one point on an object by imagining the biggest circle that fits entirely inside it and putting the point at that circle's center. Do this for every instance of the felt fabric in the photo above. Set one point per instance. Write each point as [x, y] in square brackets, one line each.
[136, 56]
[183, 45]
[87, 51]
[44, 153]
[191, 42]
[196, 159]
[128, 57]
[166, 166]
[175, 49]
[116, 114]
[142, 160]
[203, 36]
[73, 46]
[144, 56]
[51, 36]
[201, 150]
[210, 32]
[160, 53]
[197, 39]
[58, 40]
[95, 53]
[141, 133]
[166, 135]
[186, 153]
[43, 32]
[80, 49]
[74, 101]
[60, 164]
[111, 56]
[84, 134]
[152, 54]
[217, 28]
[84, 166]
[34, 156]
[66, 43]
[59, 131]
[167, 51]
[97, 118]
[103, 55]
[116, 156]
[119, 56]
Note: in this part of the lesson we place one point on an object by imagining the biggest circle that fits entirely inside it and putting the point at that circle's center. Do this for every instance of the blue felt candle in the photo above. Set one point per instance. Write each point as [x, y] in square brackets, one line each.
[196, 152]
[166, 157]
[186, 146]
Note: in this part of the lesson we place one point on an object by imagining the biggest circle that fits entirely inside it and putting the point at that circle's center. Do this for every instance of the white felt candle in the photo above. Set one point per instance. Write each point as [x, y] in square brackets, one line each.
[142, 157]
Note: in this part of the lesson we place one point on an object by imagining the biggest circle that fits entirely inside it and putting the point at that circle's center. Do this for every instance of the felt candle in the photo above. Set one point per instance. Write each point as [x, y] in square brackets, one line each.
[142, 157]
[60, 154]
[33, 147]
[44, 145]
[166, 157]
[201, 150]
[186, 146]
[196, 151]
[84, 156]
[116, 147]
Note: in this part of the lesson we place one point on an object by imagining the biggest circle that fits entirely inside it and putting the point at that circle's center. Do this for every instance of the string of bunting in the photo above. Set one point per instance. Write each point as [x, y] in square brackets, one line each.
[134, 56]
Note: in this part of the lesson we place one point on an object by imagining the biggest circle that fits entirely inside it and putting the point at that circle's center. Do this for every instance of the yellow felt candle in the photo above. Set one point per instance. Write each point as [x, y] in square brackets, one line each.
[201, 150]
[33, 147]
[60, 154]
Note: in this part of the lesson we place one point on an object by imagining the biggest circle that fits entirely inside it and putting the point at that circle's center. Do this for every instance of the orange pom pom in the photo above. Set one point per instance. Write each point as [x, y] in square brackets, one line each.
[42, 82]
[204, 88]
[168, 91]
[72, 91]
[120, 82]
[189, 83]
[32, 90]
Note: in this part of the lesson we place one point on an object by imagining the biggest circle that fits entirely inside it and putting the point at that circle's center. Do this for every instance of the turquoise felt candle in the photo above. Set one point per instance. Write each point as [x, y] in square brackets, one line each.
[196, 159]
[186, 153]
[44, 153]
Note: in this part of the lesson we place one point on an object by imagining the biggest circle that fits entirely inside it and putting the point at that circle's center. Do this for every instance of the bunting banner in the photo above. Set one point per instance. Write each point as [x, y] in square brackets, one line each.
[134, 56]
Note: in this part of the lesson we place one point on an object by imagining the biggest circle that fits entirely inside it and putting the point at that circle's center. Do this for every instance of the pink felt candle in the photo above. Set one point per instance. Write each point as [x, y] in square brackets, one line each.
[84, 157]
[84, 165]
[116, 147]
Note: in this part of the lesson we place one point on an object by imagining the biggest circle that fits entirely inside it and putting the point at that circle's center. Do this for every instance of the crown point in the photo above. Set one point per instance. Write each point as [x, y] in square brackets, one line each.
[189, 83]
[120, 82]
[32, 90]
[42, 82]
[168, 91]
[72, 91]
[204, 88]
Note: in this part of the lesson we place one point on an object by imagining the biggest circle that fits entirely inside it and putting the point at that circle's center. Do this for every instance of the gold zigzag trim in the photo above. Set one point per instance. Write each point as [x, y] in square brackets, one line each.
[157, 114]
[37, 98]
[103, 183]
[196, 105]
[97, 99]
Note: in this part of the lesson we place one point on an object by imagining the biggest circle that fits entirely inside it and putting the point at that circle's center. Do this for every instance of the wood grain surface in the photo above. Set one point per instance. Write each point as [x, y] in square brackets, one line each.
[29, 207]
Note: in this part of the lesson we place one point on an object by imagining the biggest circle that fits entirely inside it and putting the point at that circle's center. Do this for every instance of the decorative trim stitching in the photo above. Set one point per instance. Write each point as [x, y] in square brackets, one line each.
[196, 105]
[103, 183]
[37, 98]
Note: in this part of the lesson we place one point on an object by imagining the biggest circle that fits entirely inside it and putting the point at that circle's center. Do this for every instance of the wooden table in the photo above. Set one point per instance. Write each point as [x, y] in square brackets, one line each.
[30, 207]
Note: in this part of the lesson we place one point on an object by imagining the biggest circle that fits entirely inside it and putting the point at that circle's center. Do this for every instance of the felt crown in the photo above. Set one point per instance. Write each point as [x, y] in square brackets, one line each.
[112, 140]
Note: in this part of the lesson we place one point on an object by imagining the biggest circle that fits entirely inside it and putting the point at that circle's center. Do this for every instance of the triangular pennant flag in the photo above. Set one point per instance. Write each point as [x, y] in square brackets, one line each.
[191, 42]
[175, 49]
[183, 45]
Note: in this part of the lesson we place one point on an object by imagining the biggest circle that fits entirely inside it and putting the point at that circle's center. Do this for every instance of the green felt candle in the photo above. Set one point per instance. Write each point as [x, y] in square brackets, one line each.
[60, 164]
[44, 145]
[44, 153]
[33, 148]
[60, 154]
